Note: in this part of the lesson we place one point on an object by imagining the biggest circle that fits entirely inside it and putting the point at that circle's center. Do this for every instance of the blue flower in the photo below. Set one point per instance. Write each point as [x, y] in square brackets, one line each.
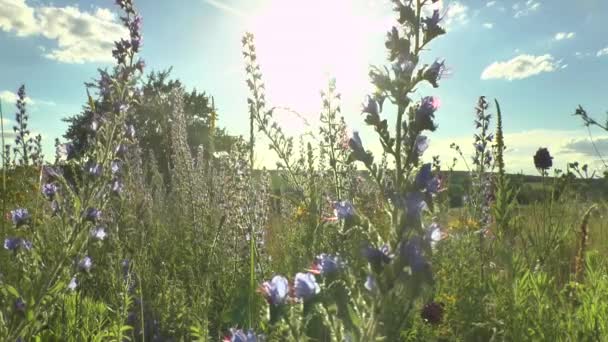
[425, 113]
[94, 169]
[121, 150]
[422, 144]
[49, 190]
[370, 283]
[358, 152]
[240, 336]
[130, 132]
[435, 72]
[117, 186]
[276, 290]
[19, 305]
[378, 257]
[13, 244]
[372, 106]
[92, 215]
[412, 253]
[85, 264]
[20, 216]
[116, 166]
[326, 264]
[98, 232]
[305, 286]
[343, 209]
[73, 284]
[424, 176]
[415, 204]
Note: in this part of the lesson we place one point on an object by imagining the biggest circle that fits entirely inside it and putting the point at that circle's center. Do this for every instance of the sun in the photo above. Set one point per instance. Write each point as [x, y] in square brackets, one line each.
[301, 44]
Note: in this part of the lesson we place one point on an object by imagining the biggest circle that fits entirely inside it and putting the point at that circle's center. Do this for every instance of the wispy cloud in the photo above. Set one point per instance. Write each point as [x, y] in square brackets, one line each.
[488, 25]
[490, 3]
[525, 8]
[457, 14]
[9, 99]
[602, 52]
[564, 35]
[520, 67]
[225, 7]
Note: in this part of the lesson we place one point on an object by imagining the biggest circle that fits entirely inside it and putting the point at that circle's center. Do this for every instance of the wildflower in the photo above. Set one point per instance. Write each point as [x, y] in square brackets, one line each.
[20, 216]
[377, 257]
[435, 72]
[66, 151]
[121, 150]
[326, 264]
[305, 286]
[415, 204]
[424, 176]
[13, 244]
[130, 132]
[343, 209]
[403, 67]
[240, 336]
[116, 166]
[94, 169]
[358, 152]
[426, 113]
[370, 283]
[85, 264]
[49, 190]
[276, 290]
[372, 106]
[117, 186]
[434, 234]
[99, 232]
[92, 215]
[412, 252]
[542, 159]
[432, 312]
[19, 305]
[73, 284]
[421, 143]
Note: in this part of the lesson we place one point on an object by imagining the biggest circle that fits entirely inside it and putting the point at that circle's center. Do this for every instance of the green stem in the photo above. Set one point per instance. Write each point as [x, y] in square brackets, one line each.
[4, 162]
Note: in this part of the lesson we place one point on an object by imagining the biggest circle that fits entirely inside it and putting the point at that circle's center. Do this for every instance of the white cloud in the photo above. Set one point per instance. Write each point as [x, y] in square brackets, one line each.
[80, 36]
[564, 35]
[490, 3]
[456, 14]
[525, 8]
[602, 52]
[9, 99]
[520, 67]
[226, 8]
[488, 25]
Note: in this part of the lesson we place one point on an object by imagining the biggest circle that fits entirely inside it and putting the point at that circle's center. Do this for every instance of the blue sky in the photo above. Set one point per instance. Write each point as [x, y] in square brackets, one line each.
[540, 58]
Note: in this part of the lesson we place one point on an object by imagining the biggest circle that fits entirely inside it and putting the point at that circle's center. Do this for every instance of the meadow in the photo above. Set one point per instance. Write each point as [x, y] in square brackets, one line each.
[152, 224]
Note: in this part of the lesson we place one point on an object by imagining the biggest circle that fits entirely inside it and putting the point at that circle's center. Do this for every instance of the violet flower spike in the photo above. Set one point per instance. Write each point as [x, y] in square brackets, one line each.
[305, 286]
[276, 290]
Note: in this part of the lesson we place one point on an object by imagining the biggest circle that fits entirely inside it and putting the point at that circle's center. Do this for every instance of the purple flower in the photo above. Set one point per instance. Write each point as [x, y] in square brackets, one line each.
[99, 232]
[116, 166]
[73, 284]
[85, 264]
[358, 152]
[276, 290]
[370, 283]
[305, 286]
[130, 131]
[13, 244]
[378, 257]
[422, 144]
[426, 113]
[403, 67]
[49, 190]
[20, 216]
[117, 186]
[412, 253]
[326, 264]
[92, 215]
[435, 72]
[94, 169]
[372, 106]
[415, 204]
[424, 176]
[542, 159]
[121, 150]
[343, 209]
[19, 305]
[240, 336]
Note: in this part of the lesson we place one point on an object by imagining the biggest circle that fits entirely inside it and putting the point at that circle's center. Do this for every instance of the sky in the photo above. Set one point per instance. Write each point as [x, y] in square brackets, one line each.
[539, 58]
